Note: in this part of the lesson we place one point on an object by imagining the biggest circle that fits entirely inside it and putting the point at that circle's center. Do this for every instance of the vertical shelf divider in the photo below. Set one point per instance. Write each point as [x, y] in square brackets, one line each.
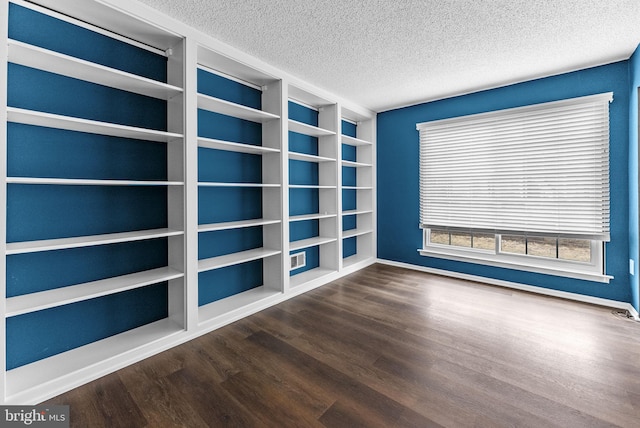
[191, 184]
[272, 135]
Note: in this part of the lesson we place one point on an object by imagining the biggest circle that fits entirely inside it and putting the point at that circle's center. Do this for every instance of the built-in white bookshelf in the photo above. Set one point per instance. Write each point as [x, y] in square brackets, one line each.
[314, 230]
[262, 124]
[358, 198]
[214, 166]
[42, 377]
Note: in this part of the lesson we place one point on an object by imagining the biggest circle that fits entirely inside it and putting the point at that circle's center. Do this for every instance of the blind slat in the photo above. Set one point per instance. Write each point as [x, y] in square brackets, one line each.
[541, 168]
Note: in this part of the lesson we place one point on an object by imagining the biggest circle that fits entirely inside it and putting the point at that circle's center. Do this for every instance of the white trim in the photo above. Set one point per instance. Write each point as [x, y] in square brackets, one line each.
[208, 69]
[602, 97]
[517, 286]
[303, 104]
[526, 263]
[88, 26]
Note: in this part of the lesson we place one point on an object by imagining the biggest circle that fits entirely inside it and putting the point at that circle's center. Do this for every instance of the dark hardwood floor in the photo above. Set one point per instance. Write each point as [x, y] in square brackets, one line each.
[387, 347]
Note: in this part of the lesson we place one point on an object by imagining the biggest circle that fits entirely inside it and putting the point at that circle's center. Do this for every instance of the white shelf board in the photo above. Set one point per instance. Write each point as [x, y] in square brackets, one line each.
[309, 158]
[116, 20]
[228, 108]
[356, 212]
[75, 293]
[87, 241]
[223, 308]
[54, 62]
[50, 371]
[308, 276]
[357, 188]
[235, 258]
[230, 146]
[354, 141]
[310, 242]
[235, 224]
[220, 184]
[310, 217]
[226, 65]
[300, 95]
[90, 182]
[303, 128]
[30, 117]
[354, 232]
[355, 164]
[354, 259]
[310, 186]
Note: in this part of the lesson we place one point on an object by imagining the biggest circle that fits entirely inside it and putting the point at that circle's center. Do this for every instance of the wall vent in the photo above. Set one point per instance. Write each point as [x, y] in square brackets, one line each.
[298, 260]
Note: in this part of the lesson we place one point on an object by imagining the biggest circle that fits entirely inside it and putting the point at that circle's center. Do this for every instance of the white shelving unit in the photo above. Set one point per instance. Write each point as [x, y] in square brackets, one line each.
[188, 54]
[326, 160]
[269, 118]
[364, 165]
[39, 378]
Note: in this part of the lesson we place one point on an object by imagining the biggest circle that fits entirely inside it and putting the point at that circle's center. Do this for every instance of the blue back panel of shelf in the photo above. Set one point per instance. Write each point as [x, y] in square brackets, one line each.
[40, 271]
[217, 284]
[222, 127]
[303, 173]
[312, 260]
[34, 151]
[41, 30]
[38, 335]
[51, 211]
[349, 247]
[227, 128]
[220, 87]
[349, 128]
[349, 174]
[303, 114]
[221, 204]
[38, 90]
[349, 152]
[303, 201]
[349, 199]
[301, 143]
[349, 222]
[228, 167]
[303, 229]
[221, 242]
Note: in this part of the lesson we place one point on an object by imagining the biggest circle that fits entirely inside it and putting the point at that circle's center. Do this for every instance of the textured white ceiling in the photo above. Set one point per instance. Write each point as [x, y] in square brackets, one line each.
[388, 53]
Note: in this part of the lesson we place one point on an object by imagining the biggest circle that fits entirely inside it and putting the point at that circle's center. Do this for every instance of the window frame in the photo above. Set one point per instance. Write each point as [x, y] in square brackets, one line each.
[591, 271]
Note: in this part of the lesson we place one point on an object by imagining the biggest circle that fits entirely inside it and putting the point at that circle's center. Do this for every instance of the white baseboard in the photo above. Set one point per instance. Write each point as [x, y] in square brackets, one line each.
[524, 287]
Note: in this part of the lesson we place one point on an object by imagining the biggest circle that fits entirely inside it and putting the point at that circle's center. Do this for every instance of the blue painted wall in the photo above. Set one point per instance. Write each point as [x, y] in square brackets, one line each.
[634, 212]
[398, 195]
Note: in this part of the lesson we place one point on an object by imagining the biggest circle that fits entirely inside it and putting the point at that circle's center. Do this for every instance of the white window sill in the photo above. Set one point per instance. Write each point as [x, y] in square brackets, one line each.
[534, 265]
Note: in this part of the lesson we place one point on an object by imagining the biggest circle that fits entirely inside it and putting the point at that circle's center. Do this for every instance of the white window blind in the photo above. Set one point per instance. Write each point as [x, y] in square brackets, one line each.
[541, 169]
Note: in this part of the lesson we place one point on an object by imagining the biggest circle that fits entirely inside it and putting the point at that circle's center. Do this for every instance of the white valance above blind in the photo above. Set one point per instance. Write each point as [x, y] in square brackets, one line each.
[541, 169]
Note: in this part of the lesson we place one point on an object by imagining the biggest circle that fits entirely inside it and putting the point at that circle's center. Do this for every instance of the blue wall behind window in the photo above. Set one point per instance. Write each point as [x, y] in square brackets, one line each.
[398, 169]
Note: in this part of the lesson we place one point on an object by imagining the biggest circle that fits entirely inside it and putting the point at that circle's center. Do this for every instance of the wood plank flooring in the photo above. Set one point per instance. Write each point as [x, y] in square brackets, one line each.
[387, 347]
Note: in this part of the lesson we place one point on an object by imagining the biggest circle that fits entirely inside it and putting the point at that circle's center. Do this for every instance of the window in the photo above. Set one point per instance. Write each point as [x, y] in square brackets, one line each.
[525, 188]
